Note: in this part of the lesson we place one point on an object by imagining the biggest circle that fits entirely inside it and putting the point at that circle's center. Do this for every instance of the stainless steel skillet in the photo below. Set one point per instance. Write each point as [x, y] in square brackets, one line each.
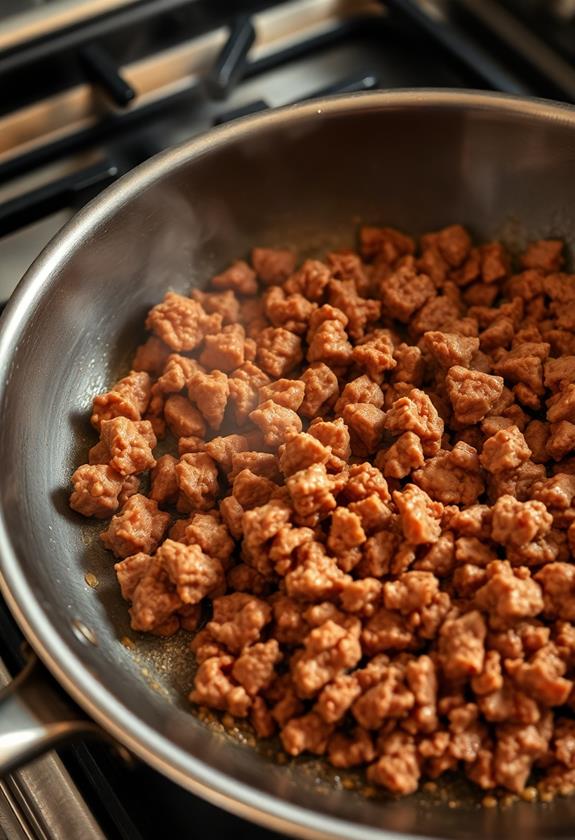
[302, 176]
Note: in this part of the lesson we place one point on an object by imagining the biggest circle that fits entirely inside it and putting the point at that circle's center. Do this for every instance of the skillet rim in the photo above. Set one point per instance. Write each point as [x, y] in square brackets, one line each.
[66, 664]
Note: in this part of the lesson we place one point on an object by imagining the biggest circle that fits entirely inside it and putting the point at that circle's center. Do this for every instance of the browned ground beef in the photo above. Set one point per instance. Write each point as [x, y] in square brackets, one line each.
[367, 517]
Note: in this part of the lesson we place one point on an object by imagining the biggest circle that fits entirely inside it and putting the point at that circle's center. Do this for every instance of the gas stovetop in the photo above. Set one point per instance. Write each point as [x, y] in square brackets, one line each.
[90, 89]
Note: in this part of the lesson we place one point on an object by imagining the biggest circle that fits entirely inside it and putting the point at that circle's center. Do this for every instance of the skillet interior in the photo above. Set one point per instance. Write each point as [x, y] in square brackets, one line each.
[302, 177]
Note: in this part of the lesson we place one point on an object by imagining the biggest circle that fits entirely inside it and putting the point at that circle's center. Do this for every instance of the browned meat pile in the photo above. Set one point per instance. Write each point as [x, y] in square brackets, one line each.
[369, 503]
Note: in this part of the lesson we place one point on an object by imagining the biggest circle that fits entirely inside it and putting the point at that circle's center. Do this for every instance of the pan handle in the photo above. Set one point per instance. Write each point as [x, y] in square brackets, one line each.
[36, 715]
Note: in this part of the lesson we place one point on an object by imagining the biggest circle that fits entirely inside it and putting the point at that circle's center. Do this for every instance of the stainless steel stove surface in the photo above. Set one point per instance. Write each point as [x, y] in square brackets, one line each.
[90, 89]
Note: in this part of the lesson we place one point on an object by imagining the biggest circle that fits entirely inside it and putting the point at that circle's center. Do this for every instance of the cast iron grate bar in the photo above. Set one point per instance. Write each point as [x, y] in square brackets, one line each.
[231, 62]
[101, 69]
[77, 187]
[252, 107]
[355, 85]
[55, 43]
[459, 45]
[114, 123]
[515, 36]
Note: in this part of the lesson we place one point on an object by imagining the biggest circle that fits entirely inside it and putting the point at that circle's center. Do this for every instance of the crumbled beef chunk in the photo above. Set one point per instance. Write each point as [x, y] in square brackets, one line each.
[452, 477]
[472, 393]
[225, 351]
[300, 452]
[419, 515]
[308, 733]
[373, 508]
[244, 385]
[278, 424]
[151, 356]
[509, 594]
[329, 344]
[239, 277]
[278, 351]
[310, 491]
[261, 719]
[328, 650]
[273, 265]
[516, 482]
[225, 304]
[164, 480]
[334, 434]
[542, 676]
[453, 242]
[557, 492]
[559, 372]
[190, 444]
[545, 255]
[536, 436]
[129, 398]
[405, 291]
[557, 580]
[130, 572]
[359, 311]
[448, 349]
[524, 365]
[461, 646]
[320, 389]
[349, 751]
[311, 280]
[213, 687]
[379, 553]
[222, 449]
[402, 457]
[254, 669]
[410, 365]
[198, 480]
[561, 406]
[439, 312]
[238, 619]
[193, 573]
[181, 323]
[252, 490]
[96, 490]
[317, 576]
[210, 533]
[286, 392]
[360, 390]
[289, 311]
[260, 463]
[346, 531]
[518, 523]
[385, 244]
[139, 526]
[439, 557]
[363, 480]
[210, 392]
[347, 265]
[505, 450]
[375, 355]
[517, 748]
[366, 423]
[128, 444]
[416, 413]
[183, 419]
[155, 600]
[561, 440]
[397, 768]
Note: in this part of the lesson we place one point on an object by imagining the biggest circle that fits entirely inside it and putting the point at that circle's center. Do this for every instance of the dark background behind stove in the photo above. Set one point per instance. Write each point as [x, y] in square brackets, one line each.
[405, 48]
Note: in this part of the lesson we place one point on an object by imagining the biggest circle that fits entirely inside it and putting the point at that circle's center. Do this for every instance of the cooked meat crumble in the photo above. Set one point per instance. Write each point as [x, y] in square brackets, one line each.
[368, 491]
